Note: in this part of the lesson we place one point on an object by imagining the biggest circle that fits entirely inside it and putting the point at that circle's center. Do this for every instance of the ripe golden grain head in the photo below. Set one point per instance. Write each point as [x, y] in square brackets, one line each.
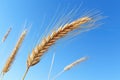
[48, 41]
[14, 52]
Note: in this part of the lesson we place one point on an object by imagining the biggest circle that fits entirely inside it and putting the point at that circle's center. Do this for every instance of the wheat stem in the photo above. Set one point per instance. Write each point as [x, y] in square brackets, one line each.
[25, 73]
[2, 76]
[51, 66]
[60, 73]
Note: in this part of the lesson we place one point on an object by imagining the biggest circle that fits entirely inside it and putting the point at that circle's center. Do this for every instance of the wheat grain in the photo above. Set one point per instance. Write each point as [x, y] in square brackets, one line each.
[48, 41]
[6, 35]
[14, 52]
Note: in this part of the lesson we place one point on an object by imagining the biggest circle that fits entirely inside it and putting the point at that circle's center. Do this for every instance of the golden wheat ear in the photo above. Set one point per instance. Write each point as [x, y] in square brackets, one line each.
[50, 40]
[11, 58]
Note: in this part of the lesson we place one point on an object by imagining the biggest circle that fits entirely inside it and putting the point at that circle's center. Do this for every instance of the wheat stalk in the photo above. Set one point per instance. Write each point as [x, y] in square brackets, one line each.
[14, 52]
[6, 34]
[51, 66]
[70, 66]
[48, 41]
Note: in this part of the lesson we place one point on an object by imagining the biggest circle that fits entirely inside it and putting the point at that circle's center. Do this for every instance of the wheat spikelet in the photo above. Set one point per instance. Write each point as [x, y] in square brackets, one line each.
[6, 35]
[14, 52]
[48, 41]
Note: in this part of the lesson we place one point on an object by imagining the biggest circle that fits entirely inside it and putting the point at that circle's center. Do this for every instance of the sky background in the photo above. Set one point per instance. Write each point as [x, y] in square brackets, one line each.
[102, 44]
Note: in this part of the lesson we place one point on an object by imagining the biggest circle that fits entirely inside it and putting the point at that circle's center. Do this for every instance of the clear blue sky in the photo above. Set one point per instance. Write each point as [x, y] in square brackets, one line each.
[102, 44]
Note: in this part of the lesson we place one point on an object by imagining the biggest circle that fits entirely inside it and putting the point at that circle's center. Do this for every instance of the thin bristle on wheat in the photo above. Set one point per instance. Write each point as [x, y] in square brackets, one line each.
[48, 41]
[14, 52]
[6, 35]
[75, 63]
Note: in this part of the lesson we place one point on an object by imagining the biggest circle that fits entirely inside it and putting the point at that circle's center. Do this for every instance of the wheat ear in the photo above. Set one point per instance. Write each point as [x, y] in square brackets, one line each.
[14, 52]
[70, 66]
[75, 63]
[48, 41]
[6, 34]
